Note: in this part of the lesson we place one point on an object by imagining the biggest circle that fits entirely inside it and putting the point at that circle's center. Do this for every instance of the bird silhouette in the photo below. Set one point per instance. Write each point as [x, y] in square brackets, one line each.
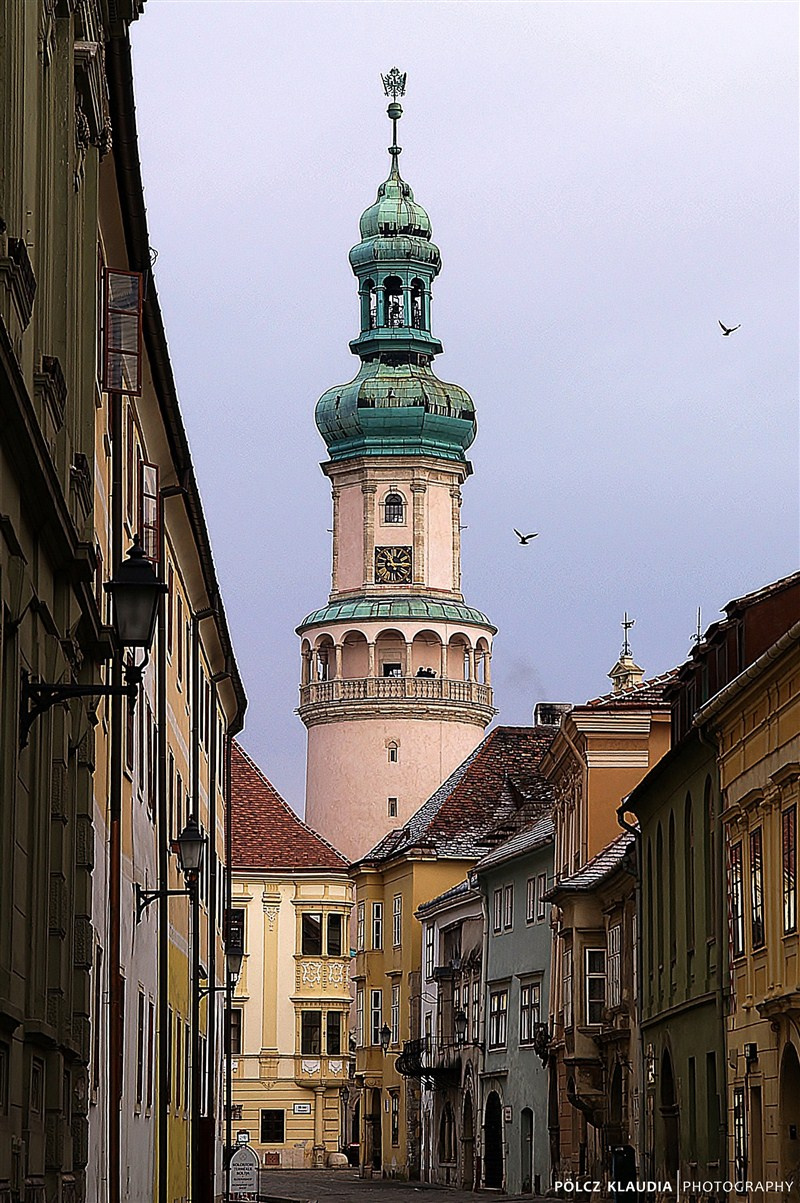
[726, 330]
[524, 538]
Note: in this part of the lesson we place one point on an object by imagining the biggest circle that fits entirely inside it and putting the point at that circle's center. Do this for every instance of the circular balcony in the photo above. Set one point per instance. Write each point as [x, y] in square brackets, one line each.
[407, 697]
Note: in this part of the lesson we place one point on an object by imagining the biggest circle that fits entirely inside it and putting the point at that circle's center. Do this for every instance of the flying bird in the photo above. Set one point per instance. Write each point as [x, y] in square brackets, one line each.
[726, 330]
[524, 538]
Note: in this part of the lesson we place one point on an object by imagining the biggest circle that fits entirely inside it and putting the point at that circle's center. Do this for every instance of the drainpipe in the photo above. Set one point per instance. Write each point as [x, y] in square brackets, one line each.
[211, 998]
[228, 981]
[116, 1033]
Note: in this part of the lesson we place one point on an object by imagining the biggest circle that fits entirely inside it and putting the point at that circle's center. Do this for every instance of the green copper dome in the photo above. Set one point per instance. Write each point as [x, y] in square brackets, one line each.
[359, 608]
[396, 405]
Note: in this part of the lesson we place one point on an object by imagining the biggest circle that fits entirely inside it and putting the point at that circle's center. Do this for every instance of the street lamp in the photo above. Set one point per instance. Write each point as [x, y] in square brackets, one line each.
[386, 1035]
[460, 1024]
[135, 591]
[189, 848]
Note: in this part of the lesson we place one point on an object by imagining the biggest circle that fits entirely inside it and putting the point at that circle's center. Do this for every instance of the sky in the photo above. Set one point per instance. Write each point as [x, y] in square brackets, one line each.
[605, 183]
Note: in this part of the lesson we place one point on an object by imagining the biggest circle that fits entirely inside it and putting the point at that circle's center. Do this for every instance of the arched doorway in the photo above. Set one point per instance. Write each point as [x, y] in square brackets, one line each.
[468, 1139]
[526, 1149]
[355, 1133]
[615, 1135]
[493, 1142]
[789, 1119]
[375, 1126]
[670, 1117]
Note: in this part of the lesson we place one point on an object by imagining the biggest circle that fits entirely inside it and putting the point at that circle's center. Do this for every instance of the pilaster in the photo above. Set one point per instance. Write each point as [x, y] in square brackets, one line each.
[369, 490]
[418, 491]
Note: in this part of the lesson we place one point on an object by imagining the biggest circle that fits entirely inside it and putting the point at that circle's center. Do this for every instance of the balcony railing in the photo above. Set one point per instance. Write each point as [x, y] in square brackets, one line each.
[427, 689]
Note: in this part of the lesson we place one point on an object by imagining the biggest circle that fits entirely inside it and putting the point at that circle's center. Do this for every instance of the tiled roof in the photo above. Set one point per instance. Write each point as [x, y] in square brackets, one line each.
[598, 868]
[396, 607]
[491, 795]
[749, 599]
[649, 695]
[542, 832]
[265, 831]
[462, 890]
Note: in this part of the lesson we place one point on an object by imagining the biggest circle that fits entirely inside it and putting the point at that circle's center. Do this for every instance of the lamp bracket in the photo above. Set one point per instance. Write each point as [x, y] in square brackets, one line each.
[145, 897]
[37, 697]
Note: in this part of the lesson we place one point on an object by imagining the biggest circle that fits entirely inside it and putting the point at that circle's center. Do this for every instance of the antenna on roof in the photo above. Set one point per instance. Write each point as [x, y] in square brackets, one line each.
[698, 635]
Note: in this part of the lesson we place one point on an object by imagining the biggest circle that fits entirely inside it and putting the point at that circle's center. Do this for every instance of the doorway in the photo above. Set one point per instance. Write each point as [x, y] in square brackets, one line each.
[468, 1139]
[526, 1149]
[493, 1142]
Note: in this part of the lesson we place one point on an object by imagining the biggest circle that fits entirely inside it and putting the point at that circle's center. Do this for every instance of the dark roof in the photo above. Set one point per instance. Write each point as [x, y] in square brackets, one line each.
[265, 831]
[496, 791]
[649, 695]
[750, 599]
[462, 890]
[541, 833]
[598, 868]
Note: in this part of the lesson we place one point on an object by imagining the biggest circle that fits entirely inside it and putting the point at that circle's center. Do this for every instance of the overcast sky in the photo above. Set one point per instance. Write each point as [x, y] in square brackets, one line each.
[605, 182]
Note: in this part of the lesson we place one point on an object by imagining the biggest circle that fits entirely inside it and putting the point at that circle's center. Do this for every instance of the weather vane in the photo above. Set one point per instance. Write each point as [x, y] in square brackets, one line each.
[698, 635]
[394, 84]
[626, 625]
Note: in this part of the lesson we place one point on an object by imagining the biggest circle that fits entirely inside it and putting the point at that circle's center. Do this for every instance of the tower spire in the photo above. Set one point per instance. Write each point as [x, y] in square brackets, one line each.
[394, 85]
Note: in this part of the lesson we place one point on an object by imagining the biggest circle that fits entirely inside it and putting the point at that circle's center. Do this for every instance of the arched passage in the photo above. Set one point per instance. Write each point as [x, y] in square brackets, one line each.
[375, 1131]
[670, 1117]
[426, 654]
[526, 1149]
[468, 1140]
[391, 654]
[493, 1142]
[789, 1118]
[355, 655]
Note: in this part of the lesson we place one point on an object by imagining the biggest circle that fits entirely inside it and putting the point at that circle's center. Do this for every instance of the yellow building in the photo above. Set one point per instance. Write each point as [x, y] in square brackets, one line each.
[288, 1024]
[756, 723]
[495, 792]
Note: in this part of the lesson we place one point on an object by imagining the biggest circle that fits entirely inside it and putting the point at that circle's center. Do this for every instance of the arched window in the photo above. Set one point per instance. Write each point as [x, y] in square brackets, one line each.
[446, 1135]
[417, 305]
[688, 867]
[394, 509]
[393, 302]
[370, 303]
[391, 749]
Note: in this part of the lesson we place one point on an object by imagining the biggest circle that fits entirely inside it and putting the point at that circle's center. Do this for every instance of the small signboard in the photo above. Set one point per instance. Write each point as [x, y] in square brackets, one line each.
[244, 1173]
[301, 1108]
[508, 1114]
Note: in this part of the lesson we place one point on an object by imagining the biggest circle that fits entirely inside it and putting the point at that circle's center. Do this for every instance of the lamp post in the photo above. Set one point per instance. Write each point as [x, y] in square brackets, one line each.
[135, 591]
[386, 1036]
[460, 1025]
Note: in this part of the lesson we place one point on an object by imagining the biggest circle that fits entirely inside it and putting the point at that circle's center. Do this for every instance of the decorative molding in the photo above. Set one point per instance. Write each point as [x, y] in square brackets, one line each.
[16, 273]
[617, 758]
[310, 1067]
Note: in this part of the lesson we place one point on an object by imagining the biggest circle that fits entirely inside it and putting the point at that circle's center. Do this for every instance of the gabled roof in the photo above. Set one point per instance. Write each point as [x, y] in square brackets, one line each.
[595, 871]
[492, 794]
[462, 890]
[750, 599]
[647, 696]
[542, 832]
[266, 833]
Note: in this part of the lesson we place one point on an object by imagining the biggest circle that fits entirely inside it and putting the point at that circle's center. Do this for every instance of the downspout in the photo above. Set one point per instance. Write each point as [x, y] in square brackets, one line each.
[228, 982]
[637, 833]
[211, 998]
[116, 1033]
[194, 975]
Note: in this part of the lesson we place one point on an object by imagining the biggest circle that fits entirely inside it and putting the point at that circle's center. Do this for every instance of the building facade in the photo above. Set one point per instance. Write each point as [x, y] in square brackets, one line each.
[288, 1022]
[396, 680]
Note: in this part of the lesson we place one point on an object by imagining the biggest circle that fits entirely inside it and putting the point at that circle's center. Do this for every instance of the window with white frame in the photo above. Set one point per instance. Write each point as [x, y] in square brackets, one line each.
[566, 986]
[429, 951]
[375, 1015]
[360, 1016]
[497, 911]
[360, 924]
[397, 920]
[541, 890]
[595, 978]
[530, 900]
[498, 1018]
[377, 925]
[736, 900]
[395, 1024]
[476, 1009]
[615, 965]
[508, 907]
[789, 849]
[757, 934]
[529, 1011]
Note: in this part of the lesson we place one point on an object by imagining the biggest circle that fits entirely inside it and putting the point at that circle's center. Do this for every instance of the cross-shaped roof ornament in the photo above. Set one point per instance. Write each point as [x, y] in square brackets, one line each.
[626, 625]
[394, 83]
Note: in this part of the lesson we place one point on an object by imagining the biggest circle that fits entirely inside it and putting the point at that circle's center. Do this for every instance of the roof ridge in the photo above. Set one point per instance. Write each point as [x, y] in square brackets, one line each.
[647, 683]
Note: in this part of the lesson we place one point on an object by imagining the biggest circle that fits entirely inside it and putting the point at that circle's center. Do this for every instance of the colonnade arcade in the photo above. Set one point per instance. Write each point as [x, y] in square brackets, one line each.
[389, 653]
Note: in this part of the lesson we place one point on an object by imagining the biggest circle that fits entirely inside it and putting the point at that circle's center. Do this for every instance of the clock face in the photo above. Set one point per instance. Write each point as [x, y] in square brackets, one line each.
[392, 565]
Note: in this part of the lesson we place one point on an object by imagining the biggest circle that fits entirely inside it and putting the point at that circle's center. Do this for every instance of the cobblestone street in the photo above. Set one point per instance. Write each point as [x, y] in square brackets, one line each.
[342, 1186]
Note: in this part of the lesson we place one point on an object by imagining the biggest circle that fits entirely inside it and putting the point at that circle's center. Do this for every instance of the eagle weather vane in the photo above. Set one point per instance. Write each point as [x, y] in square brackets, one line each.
[394, 84]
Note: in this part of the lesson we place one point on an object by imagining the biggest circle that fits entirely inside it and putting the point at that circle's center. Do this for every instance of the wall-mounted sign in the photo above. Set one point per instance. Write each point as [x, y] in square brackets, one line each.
[508, 1113]
[301, 1109]
[243, 1137]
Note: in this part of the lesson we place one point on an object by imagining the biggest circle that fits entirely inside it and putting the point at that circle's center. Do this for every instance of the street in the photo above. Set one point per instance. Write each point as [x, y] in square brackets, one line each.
[342, 1186]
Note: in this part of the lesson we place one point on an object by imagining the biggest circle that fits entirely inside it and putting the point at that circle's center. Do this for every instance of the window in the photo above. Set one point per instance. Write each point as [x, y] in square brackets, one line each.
[179, 635]
[377, 925]
[393, 302]
[615, 965]
[312, 935]
[530, 900]
[541, 890]
[334, 935]
[235, 1030]
[391, 751]
[737, 901]
[497, 911]
[417, 305]
[508, 907]
[476, 1009]
[151, 1044]
[392, 670]
[122, 332]
[391, 807]
[739, 1133]
[170, 604]
[595, 984]
[360, 1016]
[169, 1051]
[272, 1126]
[360, 924]
[429, 951]
[498, 1018]
[395, 1118]
[178, 1062]
[789, 820]
[97, 1018]
[529, 1011]
[187, 1064]
[5, 1058]
[397, 920]
[333, 1033]
[311, 1032]
[395, 1024]
[149, 531]
[37, 1086]
[394, 509]
[566, 967]
[757, 888]
[140, 1048]
[375, 1015]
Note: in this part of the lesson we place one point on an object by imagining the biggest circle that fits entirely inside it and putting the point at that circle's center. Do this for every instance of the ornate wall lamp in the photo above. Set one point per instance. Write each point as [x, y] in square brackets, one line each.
[135, 592]
[189, 847]
[460, 1022]
[386, 1036]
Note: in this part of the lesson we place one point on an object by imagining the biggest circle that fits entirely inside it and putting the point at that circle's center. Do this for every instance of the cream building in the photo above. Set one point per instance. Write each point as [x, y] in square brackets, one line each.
[288, 1024]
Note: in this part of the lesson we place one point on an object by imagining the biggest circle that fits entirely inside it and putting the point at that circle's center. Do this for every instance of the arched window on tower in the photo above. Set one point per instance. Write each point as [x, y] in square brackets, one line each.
[370, 305]
[417, 305]
[393, 302]
[394, 509]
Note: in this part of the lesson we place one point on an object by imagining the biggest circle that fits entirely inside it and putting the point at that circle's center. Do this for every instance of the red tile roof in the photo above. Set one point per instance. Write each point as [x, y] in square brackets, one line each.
[265, 831]
[649, 695]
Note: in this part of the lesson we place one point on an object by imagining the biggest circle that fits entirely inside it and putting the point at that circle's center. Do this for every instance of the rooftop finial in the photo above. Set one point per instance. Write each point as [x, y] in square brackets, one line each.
[626, 625]
[394, 85]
